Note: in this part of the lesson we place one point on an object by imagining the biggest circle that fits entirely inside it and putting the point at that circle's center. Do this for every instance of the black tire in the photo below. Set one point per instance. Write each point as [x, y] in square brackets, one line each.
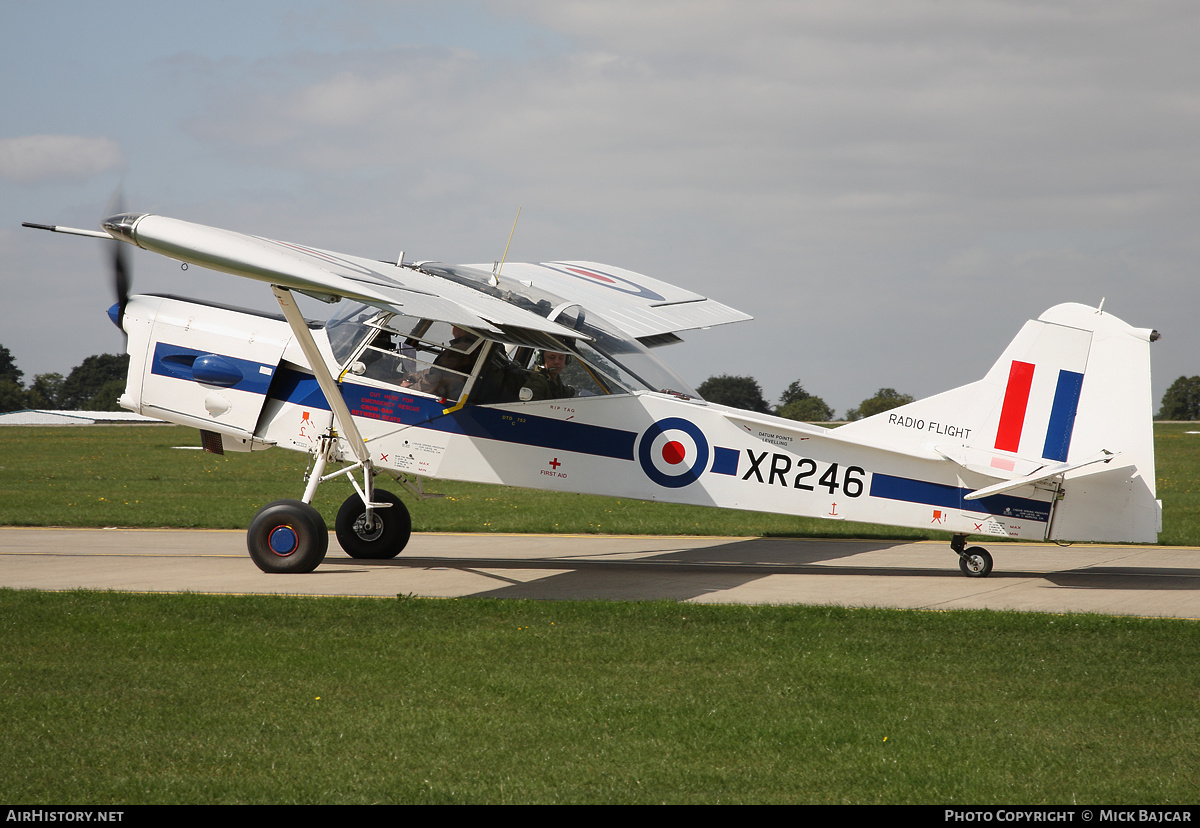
[393, 527]
[287, 536]
[975, 562]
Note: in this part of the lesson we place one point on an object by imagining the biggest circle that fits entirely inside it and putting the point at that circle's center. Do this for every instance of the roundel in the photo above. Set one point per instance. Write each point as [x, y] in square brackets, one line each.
[608, 280]
[673, 452]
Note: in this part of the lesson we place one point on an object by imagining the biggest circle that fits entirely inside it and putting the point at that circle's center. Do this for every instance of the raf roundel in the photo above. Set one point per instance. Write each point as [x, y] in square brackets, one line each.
[673, 452]
[612, 281]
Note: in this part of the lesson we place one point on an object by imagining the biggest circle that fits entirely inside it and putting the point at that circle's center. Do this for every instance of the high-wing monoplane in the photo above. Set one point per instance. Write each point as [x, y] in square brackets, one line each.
[432, 370]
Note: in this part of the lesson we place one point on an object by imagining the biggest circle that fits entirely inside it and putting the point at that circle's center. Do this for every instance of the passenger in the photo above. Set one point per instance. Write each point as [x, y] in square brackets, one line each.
[545, 383]
[500, 380]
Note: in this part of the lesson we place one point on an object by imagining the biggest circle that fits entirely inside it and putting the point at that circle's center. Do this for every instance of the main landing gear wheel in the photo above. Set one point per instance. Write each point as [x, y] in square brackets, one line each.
[287, 536]
[385, 539]
[975, 562]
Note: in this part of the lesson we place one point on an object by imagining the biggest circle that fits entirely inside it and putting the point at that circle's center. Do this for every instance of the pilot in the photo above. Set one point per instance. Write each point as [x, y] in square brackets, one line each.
[545, 382]
[447, 384]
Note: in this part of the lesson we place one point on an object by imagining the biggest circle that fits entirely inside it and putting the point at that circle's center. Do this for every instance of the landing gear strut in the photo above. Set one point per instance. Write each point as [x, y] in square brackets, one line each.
[975, 561]
[289, 535]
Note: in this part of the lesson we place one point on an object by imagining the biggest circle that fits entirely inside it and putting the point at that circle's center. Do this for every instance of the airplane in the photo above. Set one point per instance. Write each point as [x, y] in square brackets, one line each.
[427, 370]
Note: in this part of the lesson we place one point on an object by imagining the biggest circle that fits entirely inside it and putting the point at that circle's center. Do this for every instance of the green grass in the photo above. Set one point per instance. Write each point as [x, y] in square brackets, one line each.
[132, 476]
[126, 699]
[123, 699]
[1177, 463]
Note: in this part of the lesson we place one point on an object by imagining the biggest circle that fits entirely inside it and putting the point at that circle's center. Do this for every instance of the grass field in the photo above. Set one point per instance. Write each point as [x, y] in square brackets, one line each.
[123, 699]
[135, 477]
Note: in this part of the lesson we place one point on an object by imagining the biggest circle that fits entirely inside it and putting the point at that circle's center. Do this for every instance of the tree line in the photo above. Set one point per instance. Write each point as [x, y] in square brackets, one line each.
[1182, 400]
[94, 385]
[795, 403]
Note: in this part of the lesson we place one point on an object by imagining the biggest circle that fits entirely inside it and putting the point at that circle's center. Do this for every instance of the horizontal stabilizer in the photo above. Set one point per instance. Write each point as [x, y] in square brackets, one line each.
[988, 462]
[1045, 473]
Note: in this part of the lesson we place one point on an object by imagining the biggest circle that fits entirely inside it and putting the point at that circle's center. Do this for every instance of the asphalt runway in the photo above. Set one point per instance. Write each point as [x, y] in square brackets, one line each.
[1116, 580]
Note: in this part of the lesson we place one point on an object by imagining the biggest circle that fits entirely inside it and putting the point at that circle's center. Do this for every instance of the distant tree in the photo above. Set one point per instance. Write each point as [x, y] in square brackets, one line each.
[811, 410]
[8, 367]
[87, 379]
[1182, 400]
[106, 398]
[737, 392]
[793, 393]
[12, 396]
[797, 404]
[45, 392]
[885, 399]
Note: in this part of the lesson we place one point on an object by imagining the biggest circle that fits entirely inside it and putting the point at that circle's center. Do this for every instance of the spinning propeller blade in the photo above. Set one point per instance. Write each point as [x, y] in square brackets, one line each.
[122, 276]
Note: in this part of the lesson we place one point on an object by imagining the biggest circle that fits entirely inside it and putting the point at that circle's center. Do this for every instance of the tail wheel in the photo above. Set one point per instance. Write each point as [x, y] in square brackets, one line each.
[975, 562]
[384, 538]
[287, 536]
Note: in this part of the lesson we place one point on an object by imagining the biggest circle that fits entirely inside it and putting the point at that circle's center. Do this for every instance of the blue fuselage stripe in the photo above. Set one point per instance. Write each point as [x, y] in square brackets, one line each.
[951, 497]
[393, 406]
[179, 362]
[725, 460]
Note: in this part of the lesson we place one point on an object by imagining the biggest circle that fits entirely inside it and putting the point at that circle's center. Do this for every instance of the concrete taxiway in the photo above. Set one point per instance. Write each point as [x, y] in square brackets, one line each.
[1120, 580]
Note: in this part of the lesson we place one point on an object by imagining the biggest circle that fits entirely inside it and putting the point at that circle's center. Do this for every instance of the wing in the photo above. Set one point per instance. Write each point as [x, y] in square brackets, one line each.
[324, 274]
[638, 305]
[467, 296]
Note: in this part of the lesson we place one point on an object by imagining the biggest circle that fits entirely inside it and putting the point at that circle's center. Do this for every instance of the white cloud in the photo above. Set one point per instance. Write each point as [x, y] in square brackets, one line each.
[33, 158]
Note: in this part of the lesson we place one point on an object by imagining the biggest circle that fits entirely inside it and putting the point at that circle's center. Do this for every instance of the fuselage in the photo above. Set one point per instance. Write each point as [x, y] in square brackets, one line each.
[241, 376]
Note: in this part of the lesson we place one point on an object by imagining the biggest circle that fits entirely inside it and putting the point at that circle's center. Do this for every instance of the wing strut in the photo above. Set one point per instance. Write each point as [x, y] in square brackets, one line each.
[316, 362]
[343, 421]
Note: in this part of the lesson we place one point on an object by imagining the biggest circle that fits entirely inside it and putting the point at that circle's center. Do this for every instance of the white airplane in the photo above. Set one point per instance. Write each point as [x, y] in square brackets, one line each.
[427, 369]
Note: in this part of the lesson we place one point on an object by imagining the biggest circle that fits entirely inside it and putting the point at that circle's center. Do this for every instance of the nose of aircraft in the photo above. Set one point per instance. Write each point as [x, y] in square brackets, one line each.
[121, 225]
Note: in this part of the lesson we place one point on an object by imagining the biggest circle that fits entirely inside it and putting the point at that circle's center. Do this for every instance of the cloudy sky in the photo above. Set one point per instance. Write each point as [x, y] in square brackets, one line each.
[891, 188]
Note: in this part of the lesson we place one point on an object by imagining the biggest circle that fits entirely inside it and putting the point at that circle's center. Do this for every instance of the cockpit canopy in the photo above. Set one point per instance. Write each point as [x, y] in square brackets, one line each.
[434, 357]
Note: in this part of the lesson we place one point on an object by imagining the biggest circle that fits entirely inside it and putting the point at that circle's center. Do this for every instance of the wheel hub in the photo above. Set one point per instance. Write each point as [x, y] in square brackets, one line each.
[283, 540]
[368, 532]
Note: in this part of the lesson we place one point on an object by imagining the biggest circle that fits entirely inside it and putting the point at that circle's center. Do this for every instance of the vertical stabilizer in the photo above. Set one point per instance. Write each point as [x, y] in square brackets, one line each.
[1074, 383]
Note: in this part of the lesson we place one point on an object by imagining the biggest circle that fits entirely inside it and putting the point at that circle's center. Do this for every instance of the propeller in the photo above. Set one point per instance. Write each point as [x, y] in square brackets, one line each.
[122, 279]
[119, 267]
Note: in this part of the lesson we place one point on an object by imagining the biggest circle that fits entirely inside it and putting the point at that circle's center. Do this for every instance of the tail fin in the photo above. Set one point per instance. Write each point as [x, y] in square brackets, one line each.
[1068, 401]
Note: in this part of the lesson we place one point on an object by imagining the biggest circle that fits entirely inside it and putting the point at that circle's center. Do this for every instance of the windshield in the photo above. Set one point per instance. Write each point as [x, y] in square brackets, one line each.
[623, 363]
[348, 328]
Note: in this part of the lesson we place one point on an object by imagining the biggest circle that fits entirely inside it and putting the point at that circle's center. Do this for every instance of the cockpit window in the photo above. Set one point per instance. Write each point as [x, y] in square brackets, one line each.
[347, 328]
[618, 361]
[430, 356]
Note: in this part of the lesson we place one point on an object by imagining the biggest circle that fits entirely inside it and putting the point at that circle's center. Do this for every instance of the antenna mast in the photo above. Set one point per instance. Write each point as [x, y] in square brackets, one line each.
[500, 264]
